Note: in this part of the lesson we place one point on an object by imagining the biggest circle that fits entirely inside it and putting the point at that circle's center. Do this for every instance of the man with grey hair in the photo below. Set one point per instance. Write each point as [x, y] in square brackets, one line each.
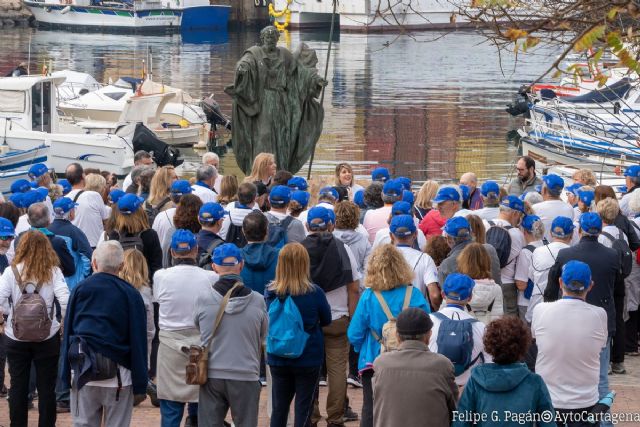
[106, 303]
[552, 206]
[205, 178]
[475, 197]
[533, 233]
[140, 158]
[212, 159]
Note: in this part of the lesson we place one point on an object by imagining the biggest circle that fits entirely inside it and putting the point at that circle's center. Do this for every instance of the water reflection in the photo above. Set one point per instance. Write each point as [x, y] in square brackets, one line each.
[423, 109]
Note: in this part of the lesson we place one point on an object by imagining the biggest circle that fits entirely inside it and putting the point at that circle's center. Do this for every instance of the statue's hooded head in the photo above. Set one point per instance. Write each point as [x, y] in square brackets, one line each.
[269, 36]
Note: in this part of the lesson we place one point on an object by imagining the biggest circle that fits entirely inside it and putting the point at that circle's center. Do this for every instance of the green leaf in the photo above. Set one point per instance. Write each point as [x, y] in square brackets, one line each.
[589, 38]
[611, 15]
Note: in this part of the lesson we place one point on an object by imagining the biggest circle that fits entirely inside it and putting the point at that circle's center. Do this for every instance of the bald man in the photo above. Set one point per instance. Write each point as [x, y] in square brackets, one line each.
[475, 198]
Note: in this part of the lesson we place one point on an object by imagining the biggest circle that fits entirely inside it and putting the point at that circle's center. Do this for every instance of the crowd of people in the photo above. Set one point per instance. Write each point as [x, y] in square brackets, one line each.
[457, 304]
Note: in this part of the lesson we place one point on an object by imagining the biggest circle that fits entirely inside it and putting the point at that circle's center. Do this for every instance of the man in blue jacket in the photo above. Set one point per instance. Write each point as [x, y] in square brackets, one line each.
[260, 258]
[106, 319]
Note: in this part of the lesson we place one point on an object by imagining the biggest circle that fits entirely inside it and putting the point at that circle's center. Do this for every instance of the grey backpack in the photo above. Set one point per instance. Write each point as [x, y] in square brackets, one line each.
[29, 319]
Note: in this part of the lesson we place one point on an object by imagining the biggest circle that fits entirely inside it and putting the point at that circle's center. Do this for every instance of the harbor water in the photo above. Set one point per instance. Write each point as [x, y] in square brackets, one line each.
[428, 107]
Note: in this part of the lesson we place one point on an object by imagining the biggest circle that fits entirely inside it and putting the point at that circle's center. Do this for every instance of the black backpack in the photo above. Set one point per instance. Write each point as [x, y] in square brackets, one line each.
[499, 238]
[130, 241]
[153, 211]
[205, 258]
[621, 245]
[235, 235]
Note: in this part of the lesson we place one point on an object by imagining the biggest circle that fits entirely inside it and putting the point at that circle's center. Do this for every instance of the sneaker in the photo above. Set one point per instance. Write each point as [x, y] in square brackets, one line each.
[618, 368]
[350, 415]
[322, 382]
[4, 392]
[63, 407]
[191, 422]
[632, 353]
[152, 392]
[263, 381]
[354, 381]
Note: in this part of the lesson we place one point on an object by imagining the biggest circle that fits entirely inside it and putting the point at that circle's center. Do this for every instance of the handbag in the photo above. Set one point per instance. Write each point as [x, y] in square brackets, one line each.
[198, 364]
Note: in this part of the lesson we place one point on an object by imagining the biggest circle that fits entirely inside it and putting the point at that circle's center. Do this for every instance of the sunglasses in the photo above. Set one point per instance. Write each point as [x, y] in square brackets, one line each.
[5, 238]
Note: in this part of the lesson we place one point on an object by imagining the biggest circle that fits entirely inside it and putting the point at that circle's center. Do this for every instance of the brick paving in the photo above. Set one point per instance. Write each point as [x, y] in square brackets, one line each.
[627, 402]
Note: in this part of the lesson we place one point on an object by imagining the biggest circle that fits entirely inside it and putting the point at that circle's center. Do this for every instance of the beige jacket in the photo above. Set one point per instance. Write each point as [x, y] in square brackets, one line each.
[413, 387]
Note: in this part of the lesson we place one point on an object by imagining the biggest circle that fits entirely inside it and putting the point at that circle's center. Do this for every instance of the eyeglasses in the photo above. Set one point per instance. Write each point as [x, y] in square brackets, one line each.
[5, 238]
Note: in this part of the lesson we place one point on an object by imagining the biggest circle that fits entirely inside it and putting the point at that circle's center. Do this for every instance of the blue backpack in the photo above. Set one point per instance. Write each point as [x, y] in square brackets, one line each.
[455, 341]
[82, 263]
[287, 337]
[278, 231]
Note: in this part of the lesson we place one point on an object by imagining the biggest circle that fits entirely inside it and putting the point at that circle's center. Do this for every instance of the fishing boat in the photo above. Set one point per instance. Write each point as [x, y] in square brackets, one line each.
[130, 15]
[29, 120]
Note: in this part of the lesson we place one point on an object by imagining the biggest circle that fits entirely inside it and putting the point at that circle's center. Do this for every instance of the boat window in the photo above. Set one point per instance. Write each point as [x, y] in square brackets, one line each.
[115, 95]
[41, 107]
[12, 101]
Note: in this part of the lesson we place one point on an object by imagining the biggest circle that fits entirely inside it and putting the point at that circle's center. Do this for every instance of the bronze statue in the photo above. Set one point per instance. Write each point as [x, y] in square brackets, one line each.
[274, 103]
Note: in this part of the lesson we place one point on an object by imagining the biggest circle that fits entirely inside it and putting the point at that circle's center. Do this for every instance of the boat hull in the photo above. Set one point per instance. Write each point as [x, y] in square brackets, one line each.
[16, 159]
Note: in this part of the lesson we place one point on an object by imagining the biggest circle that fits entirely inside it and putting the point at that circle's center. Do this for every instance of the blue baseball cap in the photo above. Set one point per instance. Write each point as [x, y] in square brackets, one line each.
[590, 223]
[586, 196]
[406, 182]
[181, 187]
[6, 228]
[458, 287]
[402, 225]
[513, 202]
[458, 226]
[446, 194]
[37, 170]
[392, 188]
[407, 196]
[490, 189]
[44, 192]
[66, 186]
[380, 174]
[553, 182]
[129, 203]
[561, 227]
[115, 195]
[528, 221]
[329, 191]
[183, 240]
[211, 212]
[632, 171]
[20, 186]
[320, 215]
[358, 199]
[280, 195]
[224, 251]
[622, 189]
[31, 197]
[298, 183]
[465, 190]
[302, 197]
[576, 275]
[17, 199]
[400, 208]
[574, 188]
[63, 205]
[538, 188]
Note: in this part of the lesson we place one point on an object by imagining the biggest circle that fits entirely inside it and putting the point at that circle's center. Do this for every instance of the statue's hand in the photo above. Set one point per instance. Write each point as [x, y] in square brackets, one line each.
[322, 82]
[243, 68]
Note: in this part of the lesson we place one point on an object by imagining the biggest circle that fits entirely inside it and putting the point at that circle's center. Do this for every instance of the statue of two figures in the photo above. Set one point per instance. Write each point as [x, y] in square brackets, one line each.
[275, 107]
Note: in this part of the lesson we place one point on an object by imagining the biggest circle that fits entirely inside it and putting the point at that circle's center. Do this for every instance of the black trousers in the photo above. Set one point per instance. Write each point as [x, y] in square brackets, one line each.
[155, 342]
[287, 382]
[353, 362]
[631, 331]
[618, 341]
[44, 356]
[367, 399]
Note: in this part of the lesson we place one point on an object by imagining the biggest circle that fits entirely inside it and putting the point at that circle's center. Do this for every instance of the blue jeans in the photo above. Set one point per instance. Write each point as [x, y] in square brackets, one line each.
[171, 412]
[603, 384]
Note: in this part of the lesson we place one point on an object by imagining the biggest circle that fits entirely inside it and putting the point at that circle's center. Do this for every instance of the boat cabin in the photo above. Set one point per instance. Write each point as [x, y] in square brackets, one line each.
[29, 102]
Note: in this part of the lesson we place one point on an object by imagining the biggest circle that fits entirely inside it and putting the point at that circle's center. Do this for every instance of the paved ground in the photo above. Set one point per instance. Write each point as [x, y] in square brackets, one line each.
[627, 402]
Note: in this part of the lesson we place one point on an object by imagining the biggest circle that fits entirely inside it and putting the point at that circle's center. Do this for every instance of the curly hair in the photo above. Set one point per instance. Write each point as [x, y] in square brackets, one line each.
[373, 196]
[585, 177]
[187, 213]
[507, 339]
[347, 215]
[438, 249]
[36, 254]
[387, 269]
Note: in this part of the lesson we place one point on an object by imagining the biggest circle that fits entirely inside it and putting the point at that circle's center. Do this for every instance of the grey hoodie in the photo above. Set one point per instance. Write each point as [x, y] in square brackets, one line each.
[358, 244]
[234, 353]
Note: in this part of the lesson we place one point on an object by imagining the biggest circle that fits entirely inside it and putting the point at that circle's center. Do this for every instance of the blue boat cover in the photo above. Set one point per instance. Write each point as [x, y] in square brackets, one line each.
[608, 94]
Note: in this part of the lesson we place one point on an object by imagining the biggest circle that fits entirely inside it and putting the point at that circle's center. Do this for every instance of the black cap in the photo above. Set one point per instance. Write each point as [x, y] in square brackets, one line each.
[413, 322]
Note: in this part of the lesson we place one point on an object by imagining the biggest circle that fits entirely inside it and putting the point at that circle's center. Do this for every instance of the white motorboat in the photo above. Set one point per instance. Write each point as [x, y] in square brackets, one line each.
[29, 119]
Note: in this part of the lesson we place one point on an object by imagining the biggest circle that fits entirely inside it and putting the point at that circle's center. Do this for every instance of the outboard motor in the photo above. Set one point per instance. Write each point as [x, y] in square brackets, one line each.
[163, 154]
[214, 115]
[520, 104]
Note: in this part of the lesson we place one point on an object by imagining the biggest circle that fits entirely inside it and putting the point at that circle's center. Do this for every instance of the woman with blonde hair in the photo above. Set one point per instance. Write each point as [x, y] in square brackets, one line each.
[228, 190]
[344, 178]
[422, 204]
[297, 376]
[96, 182]
[486, 298]
[388, 290]
[264, 169]
[478, 230]
[135, 271]
[159, 197]
[35, 268]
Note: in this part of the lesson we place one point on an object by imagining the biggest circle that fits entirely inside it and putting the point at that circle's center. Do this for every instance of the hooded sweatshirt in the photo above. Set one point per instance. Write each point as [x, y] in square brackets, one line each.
[260, 260]
[358, 243]
[504, 392]
[234, 352]
[486, 302]
[330, 266]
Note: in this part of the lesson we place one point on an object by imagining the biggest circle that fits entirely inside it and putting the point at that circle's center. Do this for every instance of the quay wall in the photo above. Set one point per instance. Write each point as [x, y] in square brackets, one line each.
[13, 12]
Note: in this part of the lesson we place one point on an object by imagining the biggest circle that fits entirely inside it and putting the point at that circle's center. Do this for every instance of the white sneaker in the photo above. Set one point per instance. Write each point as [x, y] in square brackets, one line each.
[354, 381]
